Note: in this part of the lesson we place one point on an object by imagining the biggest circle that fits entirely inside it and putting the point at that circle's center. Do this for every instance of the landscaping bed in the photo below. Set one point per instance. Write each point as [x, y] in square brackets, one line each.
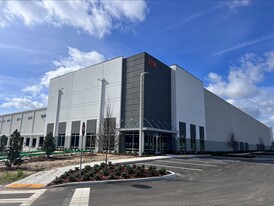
[108, 172]
[34, 164]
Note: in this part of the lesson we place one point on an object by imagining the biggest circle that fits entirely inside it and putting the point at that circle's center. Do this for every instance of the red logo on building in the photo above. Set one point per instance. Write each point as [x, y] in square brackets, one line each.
[152, 63]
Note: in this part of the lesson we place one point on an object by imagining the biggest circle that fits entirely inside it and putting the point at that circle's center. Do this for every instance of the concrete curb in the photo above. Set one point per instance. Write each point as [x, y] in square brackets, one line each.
[172, 175]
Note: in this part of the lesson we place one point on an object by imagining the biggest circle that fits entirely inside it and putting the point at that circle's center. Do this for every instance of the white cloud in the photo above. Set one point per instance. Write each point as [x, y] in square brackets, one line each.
[75, 61]
[35, 89]
[95, 17]
[242, 86]
[23, 103]
[233, 4]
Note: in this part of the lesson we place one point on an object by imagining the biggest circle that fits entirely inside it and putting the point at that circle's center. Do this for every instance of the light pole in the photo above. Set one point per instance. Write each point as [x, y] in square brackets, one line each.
[81, 154]
[141, 115]
[60, 92]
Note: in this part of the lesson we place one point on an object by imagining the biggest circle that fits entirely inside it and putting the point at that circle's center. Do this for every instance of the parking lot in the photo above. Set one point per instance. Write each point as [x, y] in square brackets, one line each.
[201, 181]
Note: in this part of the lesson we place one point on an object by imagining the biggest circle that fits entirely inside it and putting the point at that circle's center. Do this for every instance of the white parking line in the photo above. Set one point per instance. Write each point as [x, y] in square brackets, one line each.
[202, 161]
[182, 168]
[15, 200]
[186, 163]
[32, 198]
[80, 197]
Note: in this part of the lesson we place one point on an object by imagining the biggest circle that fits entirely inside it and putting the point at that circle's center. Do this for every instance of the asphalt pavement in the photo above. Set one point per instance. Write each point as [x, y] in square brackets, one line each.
[201, 181]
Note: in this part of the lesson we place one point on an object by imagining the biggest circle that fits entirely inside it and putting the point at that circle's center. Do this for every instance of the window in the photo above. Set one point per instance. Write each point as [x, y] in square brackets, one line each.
[202, 138]
[43, 116]
[193, 137]
[74, 143]
[182, 137]
[41, 141]
[131, 141]
[30, 117]
[8, 120]
[34, 142]
[4, 120]
[61, 140]
[27, 142]
[18, 119]
[90, 141]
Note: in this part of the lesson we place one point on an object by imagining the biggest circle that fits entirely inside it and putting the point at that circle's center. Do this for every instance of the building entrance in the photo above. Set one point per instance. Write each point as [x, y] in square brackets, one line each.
[155, 143]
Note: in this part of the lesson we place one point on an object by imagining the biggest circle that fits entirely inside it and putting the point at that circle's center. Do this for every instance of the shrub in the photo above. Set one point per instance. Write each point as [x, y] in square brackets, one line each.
[86, 177]
[111, 176]
[129, 169]
[87, 167]
[72, 178]
[124, 175]
[110, 165]
[151, 168]
[162, 171]
[117, 172]
[91, 174]
[103, 165]
[97, 177]
[105, 172]
[118, 168]
[96, 167]
[138, 173]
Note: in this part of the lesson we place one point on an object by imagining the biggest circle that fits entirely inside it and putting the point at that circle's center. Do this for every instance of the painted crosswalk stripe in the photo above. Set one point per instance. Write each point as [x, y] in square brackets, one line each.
[188, 163]
[182, 168]
[31, 199]
[80, 197]
[11, 201]
[17, 191]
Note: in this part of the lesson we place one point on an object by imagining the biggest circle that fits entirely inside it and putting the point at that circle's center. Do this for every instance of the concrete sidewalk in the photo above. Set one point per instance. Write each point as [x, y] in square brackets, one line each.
[42, 178]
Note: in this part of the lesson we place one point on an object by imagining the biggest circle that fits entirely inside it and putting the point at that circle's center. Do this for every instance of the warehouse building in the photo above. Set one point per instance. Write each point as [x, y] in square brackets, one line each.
[177, 113]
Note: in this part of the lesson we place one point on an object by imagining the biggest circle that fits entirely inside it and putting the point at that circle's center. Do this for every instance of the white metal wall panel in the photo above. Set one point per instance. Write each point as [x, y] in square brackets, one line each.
[222, 118]
[16, 121]
[39, 122]
[82, 92]
[188, 100]
[6, 125]
[27, 123]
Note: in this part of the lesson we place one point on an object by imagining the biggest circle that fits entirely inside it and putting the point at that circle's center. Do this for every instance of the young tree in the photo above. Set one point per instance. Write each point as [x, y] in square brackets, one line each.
[3, 144]
[49, 145]
[14, 149]
[107, 133]
[231, 141]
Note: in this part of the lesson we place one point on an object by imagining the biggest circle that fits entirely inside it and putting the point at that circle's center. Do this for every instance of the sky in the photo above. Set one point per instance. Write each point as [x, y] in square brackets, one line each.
[229, 45]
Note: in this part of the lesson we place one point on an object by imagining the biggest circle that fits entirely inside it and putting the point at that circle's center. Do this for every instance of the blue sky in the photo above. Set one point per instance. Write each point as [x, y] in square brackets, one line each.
[226, 44]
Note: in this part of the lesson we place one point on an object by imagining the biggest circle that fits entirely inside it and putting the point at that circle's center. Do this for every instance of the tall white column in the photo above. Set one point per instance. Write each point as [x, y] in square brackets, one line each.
[11, 119]
[141, 117]
[56, 125]
[101, 109]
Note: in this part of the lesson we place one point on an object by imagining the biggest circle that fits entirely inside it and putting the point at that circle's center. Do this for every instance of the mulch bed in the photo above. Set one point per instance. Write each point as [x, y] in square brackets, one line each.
[108, 172]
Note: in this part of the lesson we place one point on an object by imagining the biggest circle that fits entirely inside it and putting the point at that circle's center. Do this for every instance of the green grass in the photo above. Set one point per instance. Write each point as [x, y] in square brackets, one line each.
[11, 176]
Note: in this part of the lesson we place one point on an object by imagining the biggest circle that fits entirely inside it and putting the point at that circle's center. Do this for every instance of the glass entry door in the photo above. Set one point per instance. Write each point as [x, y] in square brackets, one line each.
[156, 143]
